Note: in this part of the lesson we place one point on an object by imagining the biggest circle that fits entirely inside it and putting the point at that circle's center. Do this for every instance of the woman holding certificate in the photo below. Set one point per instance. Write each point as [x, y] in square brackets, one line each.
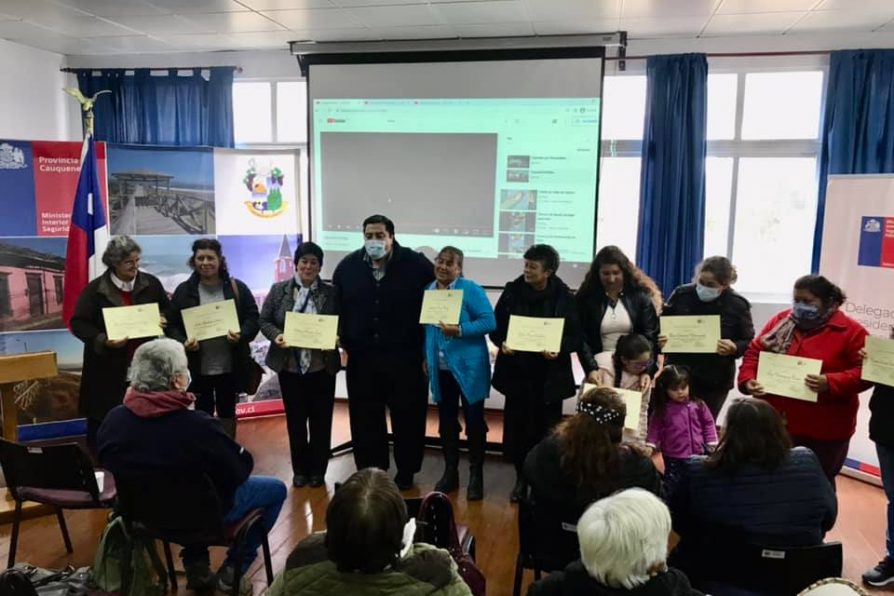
[458, 366]
[534, 377]
[615, 299]
[712, 375]
[104, 374]
[306, 376]
[216, 318]
[821, 412]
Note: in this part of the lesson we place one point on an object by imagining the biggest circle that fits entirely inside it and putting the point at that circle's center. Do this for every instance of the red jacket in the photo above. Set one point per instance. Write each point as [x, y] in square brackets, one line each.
[837, 343]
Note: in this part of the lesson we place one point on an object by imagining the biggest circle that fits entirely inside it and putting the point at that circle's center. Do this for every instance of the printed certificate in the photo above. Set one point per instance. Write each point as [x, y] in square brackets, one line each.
[132, 322]
[441, 305]
[535, 334]
[691, 334]
[784, 375]
[316, 332]
[878, 366]
[210, 320]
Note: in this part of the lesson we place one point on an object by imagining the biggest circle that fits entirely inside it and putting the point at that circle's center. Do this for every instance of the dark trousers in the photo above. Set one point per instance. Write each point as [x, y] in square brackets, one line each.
[308, 401]
[394, 381]
[886, 467]
[448, 421]
[831, 454]
[526, 421]
[215, 392]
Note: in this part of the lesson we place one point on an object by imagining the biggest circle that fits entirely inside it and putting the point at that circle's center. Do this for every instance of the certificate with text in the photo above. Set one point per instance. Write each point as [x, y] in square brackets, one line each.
[784, 375]
[695, 334]
[632, 399]
[441, 306]
[878, 366]
[210, 320]
[535, 334]
[315, 332]
[132, 322]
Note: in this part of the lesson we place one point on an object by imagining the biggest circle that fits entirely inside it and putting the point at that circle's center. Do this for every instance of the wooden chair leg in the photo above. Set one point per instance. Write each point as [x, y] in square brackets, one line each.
[65, 537]
[14, 539]
[519, 572]
[268, 564]
[169, 559]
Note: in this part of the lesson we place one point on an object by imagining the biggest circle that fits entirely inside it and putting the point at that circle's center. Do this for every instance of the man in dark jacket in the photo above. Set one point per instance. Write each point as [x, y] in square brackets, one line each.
[155, 431]
[881, 431]
[380, 289]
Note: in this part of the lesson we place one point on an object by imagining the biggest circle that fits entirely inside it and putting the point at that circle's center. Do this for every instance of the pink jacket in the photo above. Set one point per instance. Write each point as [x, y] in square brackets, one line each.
[682, 430]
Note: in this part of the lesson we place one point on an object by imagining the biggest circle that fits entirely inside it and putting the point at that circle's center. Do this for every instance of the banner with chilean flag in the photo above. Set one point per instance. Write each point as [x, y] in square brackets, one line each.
[88, 233]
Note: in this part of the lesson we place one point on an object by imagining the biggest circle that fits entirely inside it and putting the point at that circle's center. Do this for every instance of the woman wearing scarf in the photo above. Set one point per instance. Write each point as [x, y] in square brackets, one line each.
[306, 377]
[815, 328]
[534, 383]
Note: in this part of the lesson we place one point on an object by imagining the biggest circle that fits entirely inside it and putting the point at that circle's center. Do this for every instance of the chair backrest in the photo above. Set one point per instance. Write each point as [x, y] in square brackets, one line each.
[178, 507]
[775, 570]
[57, 467]
[545, 541]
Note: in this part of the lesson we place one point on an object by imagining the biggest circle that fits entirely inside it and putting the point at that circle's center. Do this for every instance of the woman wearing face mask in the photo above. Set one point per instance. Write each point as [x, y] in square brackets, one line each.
[712, 375]
[306, 377]
[615, 299]
[219, 366]
[816, 328]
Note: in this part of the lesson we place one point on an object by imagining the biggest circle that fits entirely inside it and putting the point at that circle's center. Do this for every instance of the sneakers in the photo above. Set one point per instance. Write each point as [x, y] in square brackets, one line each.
[299, 480]
[225, 578]
[881, 575]
[200, 578]
[316, 481]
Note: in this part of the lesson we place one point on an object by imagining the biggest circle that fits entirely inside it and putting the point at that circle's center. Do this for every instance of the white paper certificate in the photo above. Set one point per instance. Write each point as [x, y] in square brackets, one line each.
[535, 334]
[441, 305]
[691, 334]
[305, 330]
[207, 321]
[132, 322]
[784, 375]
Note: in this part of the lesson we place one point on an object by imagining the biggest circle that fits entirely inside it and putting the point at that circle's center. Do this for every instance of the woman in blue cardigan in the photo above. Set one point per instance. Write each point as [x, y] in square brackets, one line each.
[458, 367]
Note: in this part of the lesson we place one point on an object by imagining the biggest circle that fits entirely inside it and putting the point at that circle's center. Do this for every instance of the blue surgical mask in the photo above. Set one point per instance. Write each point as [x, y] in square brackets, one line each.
[706, 294]
[805, 312]
[375, 249]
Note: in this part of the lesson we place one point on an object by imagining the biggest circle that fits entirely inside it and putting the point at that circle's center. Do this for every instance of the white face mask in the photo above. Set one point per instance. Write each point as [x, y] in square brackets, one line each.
[375, 249]
[706, 294]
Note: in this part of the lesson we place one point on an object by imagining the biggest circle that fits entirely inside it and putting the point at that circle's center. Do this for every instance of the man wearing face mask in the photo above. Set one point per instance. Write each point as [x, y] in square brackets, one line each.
[380, 288]
[815, 328]
[711, 293]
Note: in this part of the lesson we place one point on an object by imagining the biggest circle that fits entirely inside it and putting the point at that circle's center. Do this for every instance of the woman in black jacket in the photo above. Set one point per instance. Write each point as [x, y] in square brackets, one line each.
[712, 375]
[104, 372]
[220, 366]
[306, 377]
[753, 489]
[582, 462]
[615, 299]
[534, 384]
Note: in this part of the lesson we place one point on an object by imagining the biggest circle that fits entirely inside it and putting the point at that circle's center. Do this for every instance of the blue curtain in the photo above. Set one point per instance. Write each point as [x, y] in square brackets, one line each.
[858, 126]
[162, 110]
[672, 179]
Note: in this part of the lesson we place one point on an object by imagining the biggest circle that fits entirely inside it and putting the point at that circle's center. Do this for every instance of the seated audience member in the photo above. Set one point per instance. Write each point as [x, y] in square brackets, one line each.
[583, 461]
[753, 489]
[623, 550]
[157, 430]
[368, 549]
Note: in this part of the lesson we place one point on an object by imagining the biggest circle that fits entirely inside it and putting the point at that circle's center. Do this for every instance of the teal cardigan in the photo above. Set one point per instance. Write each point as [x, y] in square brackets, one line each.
[466, 355]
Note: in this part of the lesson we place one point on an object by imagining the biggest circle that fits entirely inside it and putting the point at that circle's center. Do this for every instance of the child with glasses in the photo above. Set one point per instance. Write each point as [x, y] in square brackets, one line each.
[629, 369]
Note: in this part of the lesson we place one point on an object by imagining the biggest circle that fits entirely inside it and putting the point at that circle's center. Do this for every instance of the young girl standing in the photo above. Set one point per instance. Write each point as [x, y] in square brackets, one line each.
[680, 426]
[629, 369]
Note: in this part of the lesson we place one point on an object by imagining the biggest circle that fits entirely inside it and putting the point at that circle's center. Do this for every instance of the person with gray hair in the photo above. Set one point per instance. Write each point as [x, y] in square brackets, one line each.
[104, 372]
[157, 430]
[623, 548]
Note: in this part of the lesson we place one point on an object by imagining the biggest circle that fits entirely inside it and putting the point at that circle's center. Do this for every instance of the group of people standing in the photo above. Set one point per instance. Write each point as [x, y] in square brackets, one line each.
[393, 362]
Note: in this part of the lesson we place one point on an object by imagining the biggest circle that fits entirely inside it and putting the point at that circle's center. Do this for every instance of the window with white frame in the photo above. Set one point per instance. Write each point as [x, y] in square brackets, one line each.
[763, 141]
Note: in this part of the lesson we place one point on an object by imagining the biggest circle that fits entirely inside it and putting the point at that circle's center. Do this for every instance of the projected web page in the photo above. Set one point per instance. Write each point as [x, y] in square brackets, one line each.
[492, 176]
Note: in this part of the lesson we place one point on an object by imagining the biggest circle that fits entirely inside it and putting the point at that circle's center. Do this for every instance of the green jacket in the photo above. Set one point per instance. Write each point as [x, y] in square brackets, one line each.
[425, 571]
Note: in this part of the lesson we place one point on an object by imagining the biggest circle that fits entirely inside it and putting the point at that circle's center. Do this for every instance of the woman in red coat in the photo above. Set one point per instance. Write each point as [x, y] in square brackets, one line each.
[815, 328]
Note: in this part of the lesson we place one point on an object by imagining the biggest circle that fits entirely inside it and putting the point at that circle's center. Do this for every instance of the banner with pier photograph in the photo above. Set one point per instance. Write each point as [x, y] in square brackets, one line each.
[165, 198]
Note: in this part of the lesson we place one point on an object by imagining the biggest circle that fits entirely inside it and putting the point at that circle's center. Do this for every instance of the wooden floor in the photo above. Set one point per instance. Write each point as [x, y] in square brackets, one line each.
[861, 519]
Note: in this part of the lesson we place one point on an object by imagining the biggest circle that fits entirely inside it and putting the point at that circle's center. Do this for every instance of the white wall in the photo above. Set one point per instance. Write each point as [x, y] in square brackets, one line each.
[32, 104]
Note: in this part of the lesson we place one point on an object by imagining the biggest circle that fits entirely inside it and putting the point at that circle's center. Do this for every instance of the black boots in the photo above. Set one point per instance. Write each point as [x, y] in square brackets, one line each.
[520, 490]
[449, 481]
[475, 490]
